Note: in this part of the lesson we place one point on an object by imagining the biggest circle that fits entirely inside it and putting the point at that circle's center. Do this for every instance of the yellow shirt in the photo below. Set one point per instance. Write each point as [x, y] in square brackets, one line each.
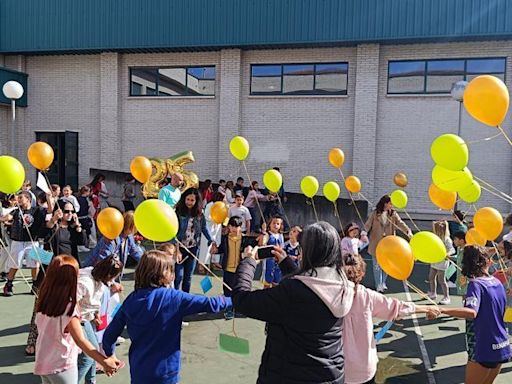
[234, 243]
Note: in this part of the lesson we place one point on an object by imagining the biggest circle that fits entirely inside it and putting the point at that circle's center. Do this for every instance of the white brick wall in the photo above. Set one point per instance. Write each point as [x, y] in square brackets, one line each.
[379, 134]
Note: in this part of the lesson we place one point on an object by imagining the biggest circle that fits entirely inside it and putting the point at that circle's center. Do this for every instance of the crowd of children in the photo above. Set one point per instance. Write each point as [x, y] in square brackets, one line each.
[68, 309]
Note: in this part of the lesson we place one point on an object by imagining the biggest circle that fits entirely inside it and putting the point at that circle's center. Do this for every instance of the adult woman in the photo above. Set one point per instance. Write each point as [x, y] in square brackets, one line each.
[253, 197]
[205, 254]
[381, 223]
[230, 192]
[124, 245]
[304, 312]
[207, 192]
[99, 192]
[192, 224]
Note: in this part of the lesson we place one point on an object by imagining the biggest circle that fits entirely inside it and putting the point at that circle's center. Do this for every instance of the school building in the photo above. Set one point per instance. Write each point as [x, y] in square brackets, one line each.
[108, 80]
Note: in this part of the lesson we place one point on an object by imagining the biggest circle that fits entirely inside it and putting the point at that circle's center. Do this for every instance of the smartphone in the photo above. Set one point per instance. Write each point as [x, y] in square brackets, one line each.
[265, 252]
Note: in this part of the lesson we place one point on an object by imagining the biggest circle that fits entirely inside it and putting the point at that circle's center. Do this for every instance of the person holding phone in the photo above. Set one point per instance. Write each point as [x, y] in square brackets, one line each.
[171, 193]
[232, 246]
[383, 221]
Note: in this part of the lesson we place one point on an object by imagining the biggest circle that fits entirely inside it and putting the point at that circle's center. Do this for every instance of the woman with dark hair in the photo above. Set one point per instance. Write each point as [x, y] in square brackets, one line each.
[192, 223]
[485, 303]
[99, 192]
[205, 254]
[304, 313]
[383, 221]
[207, 192]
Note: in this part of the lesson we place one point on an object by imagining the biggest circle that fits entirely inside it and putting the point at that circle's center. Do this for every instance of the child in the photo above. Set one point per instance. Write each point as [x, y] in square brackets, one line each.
[232, 246]
[485, 303]
[459, 240]
[67, 195]
[153, 313]
[361, 362]
[241, 211]
[505, 270]
[292, 246]
[437, 270]
[275, 237]
[351, 244]
[60, 334]
[170, 250]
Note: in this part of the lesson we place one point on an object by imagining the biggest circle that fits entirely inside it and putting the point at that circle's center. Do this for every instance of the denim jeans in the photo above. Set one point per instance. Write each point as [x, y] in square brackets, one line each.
[86, 364]
[378, 274]
[185, 270]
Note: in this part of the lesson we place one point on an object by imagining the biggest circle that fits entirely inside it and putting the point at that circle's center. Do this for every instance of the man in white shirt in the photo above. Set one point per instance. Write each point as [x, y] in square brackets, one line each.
[243, 212]
[171, 193]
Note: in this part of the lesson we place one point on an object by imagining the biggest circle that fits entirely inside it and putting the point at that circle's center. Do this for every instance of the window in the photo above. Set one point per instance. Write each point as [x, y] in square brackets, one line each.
[438, 76]
[299, 79]
[172, 81]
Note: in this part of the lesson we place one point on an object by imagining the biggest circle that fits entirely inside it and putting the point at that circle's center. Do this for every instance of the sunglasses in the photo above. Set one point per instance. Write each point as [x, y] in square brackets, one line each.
[68, 211]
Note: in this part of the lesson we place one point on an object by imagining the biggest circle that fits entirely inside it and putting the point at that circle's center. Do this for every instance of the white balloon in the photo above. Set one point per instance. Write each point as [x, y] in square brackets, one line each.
[13, 90]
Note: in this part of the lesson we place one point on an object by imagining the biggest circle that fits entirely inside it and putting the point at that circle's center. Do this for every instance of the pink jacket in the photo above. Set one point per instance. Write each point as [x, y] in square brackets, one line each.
[359, 343]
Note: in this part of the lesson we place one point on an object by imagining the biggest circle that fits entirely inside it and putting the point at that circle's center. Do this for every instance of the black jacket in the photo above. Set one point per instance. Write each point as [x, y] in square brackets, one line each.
[304, 338]
[224, 248]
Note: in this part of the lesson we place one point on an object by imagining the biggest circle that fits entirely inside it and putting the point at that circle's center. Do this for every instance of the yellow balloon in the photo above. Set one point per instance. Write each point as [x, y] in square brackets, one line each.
[450, 151]
[331, 191]
[472, 193]
[399, 199]
[428, 247]
[239, 147]
[486, 98]
[141, 168]
[394, 256]
[400, 179]
[442, 199]
[273, 180]
[473, 237]
[449, 180]
[12, 174]
[507, 318]
[353, 184]
[309, 186]
[336, 157]
[488, 222]
[156, 220]
[40, 155]
[110, 222]
[219, 212]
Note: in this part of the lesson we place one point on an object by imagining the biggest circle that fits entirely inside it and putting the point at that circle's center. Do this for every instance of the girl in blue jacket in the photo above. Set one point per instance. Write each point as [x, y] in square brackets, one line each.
[153, 313]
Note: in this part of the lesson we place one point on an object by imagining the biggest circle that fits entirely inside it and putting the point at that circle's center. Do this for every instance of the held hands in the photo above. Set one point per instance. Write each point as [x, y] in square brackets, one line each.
[111, 365]
[97, 319]
[433, 312]
[116, 288]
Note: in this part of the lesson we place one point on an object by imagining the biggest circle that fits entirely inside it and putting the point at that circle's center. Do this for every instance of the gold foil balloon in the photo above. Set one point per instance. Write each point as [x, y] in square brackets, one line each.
[400, 179]
[164, 168]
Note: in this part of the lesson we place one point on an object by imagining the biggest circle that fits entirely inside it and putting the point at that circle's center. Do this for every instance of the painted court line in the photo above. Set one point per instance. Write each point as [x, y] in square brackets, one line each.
[426, 360]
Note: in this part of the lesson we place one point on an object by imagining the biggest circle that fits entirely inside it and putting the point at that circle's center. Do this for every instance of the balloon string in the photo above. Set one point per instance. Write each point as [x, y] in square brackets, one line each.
[201, 263]
[454, 263]
[419, 292]
[500, 261]
[411, 220]
[337, 214]
[314, 208]
[364, 198]
[496, 194]
[353, 202]
[250, 181]
[284, 212]
[504, 134]
[484, 139]
[20, 270]
[32, 239]
[493, 187]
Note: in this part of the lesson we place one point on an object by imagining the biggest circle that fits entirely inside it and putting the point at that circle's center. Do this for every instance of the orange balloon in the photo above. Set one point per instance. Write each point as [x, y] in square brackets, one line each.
[489, 222]
[110, 223]
[141, 169]
[400, 179]
[486, 98]
[219, 212]
[473, 237]
[336, 157]
[353, 184]
[441, 199]
[394, 255]
[40, 155]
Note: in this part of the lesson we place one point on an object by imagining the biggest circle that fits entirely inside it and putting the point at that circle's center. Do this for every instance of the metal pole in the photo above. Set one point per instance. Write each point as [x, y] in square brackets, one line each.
[13, 129]
[460, 118]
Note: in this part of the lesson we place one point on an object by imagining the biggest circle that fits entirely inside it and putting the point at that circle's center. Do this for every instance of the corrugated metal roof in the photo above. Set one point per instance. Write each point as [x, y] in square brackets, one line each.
[85, 26]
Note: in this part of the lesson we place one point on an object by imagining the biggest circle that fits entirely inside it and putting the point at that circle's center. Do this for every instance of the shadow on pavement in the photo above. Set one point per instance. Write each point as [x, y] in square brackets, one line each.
[22, 378]
[14, 330]
[13, 355]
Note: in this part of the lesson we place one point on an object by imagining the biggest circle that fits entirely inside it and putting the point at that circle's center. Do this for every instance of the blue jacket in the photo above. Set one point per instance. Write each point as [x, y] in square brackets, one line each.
[199, 227]
[106, 247]
[153, 318]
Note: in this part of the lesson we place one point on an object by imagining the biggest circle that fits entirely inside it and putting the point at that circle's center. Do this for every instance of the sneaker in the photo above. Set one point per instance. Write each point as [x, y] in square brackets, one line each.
[451, 284]
[8, 289]
[380, 288]
[445, 301]
[384, 287]
[229, 315]
[184, 324]
[432, 295]
[82, 248]
[120, 340]
[3, 277]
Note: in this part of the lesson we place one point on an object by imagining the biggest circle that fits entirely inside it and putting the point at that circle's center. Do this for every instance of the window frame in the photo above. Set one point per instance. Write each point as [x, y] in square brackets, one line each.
[157, 81]
[425, 72]
[313, 92]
